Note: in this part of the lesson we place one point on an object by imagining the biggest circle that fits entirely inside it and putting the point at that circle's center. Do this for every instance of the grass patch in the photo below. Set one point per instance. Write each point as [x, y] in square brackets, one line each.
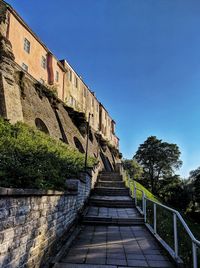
[30, 158]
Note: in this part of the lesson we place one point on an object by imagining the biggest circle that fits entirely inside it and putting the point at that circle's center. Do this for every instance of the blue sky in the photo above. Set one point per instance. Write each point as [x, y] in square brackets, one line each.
[141, 57]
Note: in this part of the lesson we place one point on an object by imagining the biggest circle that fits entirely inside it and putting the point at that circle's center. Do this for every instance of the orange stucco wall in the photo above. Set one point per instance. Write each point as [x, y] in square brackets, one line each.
[17, 34]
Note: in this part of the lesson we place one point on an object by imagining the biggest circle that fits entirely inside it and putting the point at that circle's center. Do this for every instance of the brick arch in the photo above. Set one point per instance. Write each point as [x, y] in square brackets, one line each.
[41, 125]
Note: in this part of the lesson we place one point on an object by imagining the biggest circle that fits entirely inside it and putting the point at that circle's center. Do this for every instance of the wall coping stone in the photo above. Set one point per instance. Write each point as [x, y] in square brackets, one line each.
[35, 192]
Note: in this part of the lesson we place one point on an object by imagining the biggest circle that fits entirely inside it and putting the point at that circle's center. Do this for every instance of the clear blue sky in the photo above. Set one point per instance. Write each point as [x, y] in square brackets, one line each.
[141, 57]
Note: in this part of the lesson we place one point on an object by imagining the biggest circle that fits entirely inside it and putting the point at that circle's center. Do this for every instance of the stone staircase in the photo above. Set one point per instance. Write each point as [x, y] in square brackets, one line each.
[110, 203]
[112, 232]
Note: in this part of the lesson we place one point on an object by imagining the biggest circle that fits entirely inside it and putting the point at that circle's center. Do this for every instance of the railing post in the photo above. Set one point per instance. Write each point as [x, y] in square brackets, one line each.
[129, 182]
[194, 254]
[143, 202]
[154, 218]
[145, 209]
[129, 185]
[135, 194]
[175, 235]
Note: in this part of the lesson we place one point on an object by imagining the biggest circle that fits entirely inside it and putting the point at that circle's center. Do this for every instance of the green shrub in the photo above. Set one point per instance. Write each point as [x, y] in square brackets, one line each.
[32, 159]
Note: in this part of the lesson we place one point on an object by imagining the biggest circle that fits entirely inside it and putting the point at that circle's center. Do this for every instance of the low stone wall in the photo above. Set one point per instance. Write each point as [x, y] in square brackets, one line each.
[34, 224]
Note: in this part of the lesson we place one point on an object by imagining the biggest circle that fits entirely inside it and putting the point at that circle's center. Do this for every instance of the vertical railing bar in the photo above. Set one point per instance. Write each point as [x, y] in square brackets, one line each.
[194, 254]
[143, 202]
[145, 209]
[175, 235]
[154, 218]
[135, 194]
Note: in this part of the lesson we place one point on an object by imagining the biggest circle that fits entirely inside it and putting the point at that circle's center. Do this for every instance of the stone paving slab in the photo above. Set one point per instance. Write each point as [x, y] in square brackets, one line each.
[65, 265]
[114, 246]
[118, 213]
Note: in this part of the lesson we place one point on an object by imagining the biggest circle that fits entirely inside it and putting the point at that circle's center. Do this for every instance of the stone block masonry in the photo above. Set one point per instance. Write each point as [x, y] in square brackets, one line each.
[34, 224]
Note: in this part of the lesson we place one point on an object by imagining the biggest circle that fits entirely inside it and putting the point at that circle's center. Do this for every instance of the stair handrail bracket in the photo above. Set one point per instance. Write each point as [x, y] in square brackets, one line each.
[176, 215]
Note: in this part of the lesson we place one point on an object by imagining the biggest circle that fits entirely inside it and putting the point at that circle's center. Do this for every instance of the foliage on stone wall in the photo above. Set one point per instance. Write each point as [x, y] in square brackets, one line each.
[32, 159]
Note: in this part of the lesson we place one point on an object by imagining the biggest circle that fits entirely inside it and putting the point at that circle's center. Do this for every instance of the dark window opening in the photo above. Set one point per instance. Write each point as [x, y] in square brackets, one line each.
[41, 125]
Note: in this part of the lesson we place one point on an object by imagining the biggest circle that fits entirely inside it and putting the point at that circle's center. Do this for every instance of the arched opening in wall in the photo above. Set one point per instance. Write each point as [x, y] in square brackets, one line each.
[104, 147]
[79, 145]
[91, 138]
[41, 125]
[106, 162]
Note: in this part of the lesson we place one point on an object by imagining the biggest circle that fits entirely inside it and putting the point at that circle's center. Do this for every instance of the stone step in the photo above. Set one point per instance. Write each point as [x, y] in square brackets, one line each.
[108, 178]
[112, 173]
[111, 191]
[89, 220]
[111, 184]
[111, 203]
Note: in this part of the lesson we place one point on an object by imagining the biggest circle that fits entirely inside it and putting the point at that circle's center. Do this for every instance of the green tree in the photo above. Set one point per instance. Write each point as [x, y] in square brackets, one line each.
[134, 170]
[195, 184]
[159, 160]
[173, 190]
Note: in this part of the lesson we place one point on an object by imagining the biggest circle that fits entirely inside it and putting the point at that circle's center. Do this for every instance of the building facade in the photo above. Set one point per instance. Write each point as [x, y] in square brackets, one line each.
[36, 59]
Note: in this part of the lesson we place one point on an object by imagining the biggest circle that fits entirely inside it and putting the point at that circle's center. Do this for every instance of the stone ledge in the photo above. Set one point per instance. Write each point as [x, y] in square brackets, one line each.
[34, 192]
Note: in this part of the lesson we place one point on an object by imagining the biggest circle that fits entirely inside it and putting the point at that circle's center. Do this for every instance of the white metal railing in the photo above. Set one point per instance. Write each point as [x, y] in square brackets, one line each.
[195, 244]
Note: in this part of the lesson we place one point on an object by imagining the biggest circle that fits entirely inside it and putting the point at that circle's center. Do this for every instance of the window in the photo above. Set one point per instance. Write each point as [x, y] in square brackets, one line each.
[84, 92]
[97, 107]
[72, 101]
[92, 119]
[76, 82]
[27, 45]
[57, 76]
[70, 75]
[92, 102]
[44, 62]
[25, 67]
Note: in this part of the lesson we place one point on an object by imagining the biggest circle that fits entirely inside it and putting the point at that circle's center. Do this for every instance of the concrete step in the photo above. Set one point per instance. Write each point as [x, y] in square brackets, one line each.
[110, 177]
[111, 204]
[89, 220]
[111, 191]
[111, 184]
[109, 173]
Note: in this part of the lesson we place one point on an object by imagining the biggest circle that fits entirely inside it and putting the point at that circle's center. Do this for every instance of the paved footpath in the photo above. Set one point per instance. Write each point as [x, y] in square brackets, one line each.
[113, 233]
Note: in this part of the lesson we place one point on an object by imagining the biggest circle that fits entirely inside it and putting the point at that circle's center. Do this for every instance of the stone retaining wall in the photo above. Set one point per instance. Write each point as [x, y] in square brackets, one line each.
[34, 224]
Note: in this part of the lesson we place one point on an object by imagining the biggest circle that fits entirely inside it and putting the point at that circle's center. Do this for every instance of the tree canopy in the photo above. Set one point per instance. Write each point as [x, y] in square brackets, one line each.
[159, 160]
[134, 170]
[195, 181]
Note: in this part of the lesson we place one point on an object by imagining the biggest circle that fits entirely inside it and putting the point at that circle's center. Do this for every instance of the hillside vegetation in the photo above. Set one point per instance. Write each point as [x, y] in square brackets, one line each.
[31, 159]
[165, 224]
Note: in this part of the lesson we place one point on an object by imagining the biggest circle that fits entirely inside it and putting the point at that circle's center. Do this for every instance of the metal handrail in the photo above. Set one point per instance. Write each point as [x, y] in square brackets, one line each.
[176, 214]
[180, 218]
